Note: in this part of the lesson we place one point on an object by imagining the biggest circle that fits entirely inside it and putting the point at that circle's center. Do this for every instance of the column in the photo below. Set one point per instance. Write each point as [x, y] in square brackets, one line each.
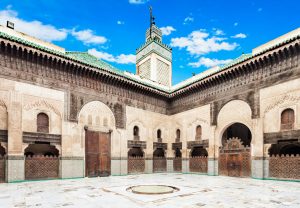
[15, 155]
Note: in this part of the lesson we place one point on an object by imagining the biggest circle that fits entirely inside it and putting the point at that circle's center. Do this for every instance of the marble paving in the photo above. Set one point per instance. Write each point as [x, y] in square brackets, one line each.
[110, 192]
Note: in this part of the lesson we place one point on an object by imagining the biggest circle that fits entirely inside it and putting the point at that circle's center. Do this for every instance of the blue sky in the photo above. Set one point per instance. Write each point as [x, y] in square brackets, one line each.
[202, 33]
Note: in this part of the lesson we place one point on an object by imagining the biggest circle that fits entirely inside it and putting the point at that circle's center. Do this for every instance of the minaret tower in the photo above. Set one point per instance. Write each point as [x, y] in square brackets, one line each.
[154, 59]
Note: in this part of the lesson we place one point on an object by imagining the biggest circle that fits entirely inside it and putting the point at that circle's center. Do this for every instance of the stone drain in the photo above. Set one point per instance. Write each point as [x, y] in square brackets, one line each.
[152, 189]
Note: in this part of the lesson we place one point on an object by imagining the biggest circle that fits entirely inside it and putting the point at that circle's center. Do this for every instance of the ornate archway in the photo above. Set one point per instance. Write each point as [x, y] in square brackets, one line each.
[235, 153]
[98, 122]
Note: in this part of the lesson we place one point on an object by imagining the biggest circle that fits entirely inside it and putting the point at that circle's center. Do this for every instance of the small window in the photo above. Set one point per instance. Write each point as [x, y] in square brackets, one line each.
[178, 135]
[136, 131]
[159, 133]
[198, 133]
[159, 139]
[42, 123]
[287, 119]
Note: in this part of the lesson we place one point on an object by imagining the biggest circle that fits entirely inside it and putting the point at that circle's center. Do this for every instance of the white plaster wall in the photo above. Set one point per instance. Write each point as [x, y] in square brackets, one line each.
[187, 122]
[148, 123]
[275, 99]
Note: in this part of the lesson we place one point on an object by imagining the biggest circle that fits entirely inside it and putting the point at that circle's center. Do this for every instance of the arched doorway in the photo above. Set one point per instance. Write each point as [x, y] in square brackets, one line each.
[284, 160]
[41, 161]
[235, 154]
[97, 121]
[198, 160]
[2, 163]
[136, 160]
[159, 160]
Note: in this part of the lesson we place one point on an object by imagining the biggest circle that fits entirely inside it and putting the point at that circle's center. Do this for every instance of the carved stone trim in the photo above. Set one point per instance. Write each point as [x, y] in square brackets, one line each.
[251, 98]
[3, 135]
[160, 145]
[281, 100]
[202, 143]
[234, 145]
[133, 143]
[177, 145]
[42, 103]
[273, 138]
[32, 137]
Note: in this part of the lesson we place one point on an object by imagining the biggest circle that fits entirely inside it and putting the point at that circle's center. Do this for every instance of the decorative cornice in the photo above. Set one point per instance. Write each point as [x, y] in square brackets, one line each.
[160, 145]
[32, 137]
[140, 144]
[202, 143]
[274, 137]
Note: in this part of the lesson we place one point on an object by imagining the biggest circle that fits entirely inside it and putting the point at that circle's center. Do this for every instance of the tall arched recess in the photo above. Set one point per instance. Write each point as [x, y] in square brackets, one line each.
[98, 122]
[235, 152]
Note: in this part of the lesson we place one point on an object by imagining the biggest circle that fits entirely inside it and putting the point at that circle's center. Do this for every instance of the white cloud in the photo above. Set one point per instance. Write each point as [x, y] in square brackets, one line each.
[188, 19]
[236, 24]
[119, 22]
[88, 37]
[138, 1]
[218, 31]
[199, 42]
[207, 62]
[34, 28]
[120, 59]
[240, 35]
[167, 30]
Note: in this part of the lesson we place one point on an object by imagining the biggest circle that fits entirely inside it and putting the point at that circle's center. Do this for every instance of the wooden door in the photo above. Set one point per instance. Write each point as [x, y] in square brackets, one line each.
[91, 153]
[97, 154]
[104, 154]
[234, 165]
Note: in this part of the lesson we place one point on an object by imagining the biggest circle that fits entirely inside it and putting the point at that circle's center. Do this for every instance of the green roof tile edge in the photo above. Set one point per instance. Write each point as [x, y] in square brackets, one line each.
[122, 74]
[64, 55]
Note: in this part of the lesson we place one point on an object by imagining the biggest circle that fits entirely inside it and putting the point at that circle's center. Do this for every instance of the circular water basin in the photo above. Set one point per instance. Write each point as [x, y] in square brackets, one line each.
[152, 189]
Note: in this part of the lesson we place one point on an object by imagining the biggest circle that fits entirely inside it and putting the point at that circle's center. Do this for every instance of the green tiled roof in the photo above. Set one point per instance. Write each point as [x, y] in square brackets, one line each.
[82, 57]
[233, 62]
[239, 59]
[29, 43]
[91, 60]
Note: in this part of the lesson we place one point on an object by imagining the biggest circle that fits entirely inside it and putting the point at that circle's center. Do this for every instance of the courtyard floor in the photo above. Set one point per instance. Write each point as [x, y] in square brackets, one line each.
[195, 191]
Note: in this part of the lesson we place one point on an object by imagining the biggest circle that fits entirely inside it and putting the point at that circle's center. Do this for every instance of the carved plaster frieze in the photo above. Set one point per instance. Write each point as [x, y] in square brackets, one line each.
[42, 103]
[285, 98]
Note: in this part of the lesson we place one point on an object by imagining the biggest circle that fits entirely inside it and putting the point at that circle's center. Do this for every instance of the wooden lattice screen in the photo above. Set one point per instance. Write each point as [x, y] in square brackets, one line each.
[177, 164]
[136, 164]
[198, 164]
[41, 167]
[2, 168]
[284, 166]
[159, 164]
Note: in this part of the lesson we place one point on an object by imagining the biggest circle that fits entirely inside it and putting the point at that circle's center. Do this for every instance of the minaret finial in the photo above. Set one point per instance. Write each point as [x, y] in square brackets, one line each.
[150, 8]
[151, 21]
